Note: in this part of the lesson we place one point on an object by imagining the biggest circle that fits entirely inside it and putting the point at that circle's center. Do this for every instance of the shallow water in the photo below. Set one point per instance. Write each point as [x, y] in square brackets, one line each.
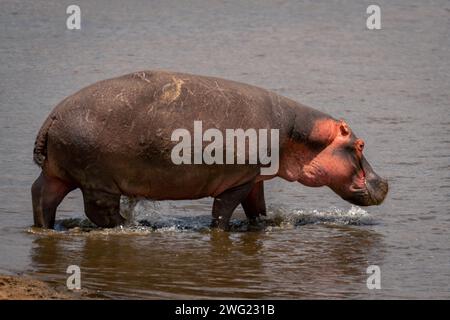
[392, 86]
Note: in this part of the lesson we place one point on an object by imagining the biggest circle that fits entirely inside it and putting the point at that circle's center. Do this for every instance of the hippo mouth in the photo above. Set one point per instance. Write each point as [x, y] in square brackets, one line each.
[373, 193]
[369, 189]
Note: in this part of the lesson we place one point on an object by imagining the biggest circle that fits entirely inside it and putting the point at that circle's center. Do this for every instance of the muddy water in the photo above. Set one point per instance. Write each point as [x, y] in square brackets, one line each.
[392, 86]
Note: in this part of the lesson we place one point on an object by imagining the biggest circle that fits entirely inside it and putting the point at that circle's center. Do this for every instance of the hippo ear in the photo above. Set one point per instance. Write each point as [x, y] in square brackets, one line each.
[344, 128]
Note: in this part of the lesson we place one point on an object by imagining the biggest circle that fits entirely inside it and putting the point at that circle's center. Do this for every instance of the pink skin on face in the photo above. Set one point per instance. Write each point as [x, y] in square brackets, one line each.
[336, 164]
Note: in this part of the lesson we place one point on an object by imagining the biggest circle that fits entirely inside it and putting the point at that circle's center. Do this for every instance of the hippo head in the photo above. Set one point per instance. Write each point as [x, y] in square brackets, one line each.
[333, 156]
[347, 171]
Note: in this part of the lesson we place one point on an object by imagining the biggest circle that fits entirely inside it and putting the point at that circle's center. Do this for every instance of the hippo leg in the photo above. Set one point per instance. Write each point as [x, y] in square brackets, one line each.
[225, 203]
[46, 194]
[102, 208]
[254, 204]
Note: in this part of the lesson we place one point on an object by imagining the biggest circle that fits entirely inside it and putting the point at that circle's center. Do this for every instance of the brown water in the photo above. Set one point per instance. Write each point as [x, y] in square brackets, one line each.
[392, 86]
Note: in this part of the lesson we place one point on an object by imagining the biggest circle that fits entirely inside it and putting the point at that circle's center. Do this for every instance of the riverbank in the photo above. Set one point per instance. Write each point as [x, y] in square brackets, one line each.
[26, 288]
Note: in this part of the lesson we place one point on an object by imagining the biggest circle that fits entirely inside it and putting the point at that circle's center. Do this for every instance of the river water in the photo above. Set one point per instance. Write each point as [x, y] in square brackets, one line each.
[391, 85]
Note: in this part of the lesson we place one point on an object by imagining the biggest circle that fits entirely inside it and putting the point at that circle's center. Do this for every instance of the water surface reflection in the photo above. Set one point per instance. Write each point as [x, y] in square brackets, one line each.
[286, 262]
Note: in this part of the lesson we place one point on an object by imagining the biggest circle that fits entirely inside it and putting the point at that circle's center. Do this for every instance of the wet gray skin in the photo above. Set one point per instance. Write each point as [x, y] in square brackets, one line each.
[114, 138]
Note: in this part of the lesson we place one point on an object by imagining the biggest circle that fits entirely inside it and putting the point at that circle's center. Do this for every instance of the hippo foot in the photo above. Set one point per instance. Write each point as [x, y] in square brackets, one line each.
[102, 208]
[256, 224]
[47, 193]
[220, 224]
[225, 203]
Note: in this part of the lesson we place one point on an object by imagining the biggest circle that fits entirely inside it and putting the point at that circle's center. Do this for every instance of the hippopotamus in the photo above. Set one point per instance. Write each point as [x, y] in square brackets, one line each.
[115, 138]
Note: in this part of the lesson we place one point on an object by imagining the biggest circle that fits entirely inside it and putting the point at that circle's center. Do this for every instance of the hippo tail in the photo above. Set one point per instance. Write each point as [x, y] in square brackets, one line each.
[40, 145]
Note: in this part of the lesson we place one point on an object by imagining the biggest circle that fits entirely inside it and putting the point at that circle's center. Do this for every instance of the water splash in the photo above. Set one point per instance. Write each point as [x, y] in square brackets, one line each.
[146, 217]
[354, 216]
